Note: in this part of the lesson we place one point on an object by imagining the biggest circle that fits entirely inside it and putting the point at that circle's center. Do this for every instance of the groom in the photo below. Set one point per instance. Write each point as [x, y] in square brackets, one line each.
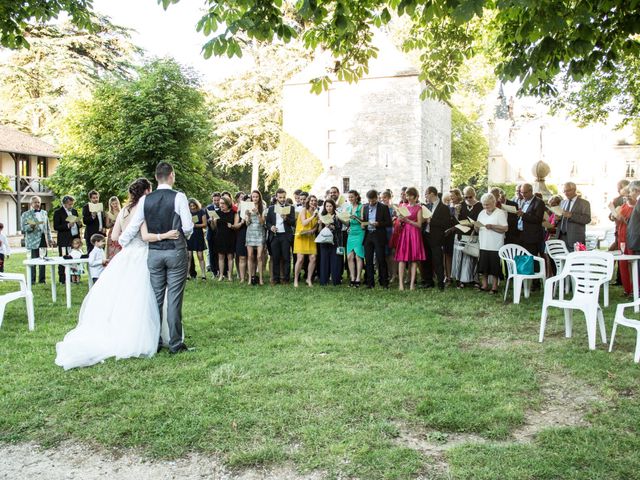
[164, 210]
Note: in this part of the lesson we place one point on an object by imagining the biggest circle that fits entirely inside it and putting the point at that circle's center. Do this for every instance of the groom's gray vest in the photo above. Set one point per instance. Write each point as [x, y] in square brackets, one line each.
[160, 215]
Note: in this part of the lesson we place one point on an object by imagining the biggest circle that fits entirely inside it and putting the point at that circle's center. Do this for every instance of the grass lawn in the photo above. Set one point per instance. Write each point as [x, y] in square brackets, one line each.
[333, 379]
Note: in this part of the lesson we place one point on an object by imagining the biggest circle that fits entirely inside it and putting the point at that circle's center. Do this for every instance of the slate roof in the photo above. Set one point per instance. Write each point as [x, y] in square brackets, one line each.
[15, 141]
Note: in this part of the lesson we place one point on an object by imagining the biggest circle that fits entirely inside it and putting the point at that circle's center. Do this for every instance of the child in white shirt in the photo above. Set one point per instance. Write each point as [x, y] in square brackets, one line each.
[75, 253]
[97, 259]
[5, 250]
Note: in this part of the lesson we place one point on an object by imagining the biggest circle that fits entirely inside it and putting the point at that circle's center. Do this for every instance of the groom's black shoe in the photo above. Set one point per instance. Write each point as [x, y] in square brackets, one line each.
[180, 348]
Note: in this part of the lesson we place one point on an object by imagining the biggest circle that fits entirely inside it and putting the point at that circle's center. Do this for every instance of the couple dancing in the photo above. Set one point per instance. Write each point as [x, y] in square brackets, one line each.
[122, 315]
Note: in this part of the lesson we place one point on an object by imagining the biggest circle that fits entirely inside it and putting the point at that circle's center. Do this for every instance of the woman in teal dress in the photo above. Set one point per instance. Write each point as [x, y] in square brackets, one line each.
[355, 238]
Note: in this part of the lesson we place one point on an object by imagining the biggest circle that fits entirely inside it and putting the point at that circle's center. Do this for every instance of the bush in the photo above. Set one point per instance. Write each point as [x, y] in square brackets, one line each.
[300, 168]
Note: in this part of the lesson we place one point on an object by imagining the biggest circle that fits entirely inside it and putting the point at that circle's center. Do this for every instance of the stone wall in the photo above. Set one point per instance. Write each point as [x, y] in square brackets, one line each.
[376, 133]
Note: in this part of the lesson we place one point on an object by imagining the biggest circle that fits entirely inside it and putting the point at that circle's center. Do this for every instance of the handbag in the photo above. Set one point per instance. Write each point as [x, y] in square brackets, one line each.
[325, 236]
[472, 247]
[524, 264]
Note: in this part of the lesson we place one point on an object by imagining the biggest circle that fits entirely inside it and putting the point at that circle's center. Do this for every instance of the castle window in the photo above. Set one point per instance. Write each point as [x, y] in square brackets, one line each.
[42, 167]
[384, 156]
[346, 184]
[630, 170]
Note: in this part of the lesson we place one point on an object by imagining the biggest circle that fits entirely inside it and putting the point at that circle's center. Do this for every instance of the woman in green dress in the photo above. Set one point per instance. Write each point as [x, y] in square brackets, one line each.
[355, 248]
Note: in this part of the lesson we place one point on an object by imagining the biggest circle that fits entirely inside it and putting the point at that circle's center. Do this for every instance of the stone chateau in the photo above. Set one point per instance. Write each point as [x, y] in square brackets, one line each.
[376, 133]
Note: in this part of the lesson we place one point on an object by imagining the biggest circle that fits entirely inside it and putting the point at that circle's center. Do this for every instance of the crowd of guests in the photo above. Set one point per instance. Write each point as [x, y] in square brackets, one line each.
[335, 240]
[442, 239]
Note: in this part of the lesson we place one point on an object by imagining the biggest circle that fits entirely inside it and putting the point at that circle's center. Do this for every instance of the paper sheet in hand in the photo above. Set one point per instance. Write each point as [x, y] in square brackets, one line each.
[402, 210]
[95, 207]
[478, 224]
[213, 215]
[556, 210]
[195, 219]
[245, 207]
[72, 219]
[426, 213]
[463, 228]
[286, 210]
[466, 222]
[344, 216]
[327, 219]
[509, 208]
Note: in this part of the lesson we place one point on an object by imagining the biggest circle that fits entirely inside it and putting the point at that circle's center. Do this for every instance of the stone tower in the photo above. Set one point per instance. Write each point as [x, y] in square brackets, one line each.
[376, 133]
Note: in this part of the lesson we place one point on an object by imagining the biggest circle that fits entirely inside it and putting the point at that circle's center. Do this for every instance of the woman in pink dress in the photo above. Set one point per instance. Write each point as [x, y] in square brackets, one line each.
[409, 248]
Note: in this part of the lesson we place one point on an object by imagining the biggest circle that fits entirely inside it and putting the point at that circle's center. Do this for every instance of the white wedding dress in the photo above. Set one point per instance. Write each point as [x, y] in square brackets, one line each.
[119, 316]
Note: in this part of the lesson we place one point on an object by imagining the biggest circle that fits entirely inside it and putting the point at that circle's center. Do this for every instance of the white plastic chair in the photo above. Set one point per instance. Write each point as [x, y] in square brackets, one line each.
[556, 248]
[620, 319]
[24, 292]
[588, 272]
[508, 253]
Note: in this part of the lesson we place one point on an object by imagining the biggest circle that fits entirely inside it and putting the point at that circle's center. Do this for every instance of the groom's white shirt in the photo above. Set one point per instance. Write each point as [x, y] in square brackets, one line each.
[181, 208]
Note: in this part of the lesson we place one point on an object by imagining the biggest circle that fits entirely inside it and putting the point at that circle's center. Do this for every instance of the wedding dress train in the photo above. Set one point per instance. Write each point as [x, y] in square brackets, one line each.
[119, 316]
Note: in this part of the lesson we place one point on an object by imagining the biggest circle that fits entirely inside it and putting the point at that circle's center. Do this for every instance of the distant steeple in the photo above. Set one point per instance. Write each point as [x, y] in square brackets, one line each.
[502, 109]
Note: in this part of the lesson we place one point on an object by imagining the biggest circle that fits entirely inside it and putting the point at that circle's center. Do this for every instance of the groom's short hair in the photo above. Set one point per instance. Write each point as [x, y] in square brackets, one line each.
[163, 170]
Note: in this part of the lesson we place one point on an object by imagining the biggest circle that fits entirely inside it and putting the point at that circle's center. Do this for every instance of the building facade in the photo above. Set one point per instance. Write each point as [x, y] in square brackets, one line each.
[595, 157]
[26, 161]
[376, 133]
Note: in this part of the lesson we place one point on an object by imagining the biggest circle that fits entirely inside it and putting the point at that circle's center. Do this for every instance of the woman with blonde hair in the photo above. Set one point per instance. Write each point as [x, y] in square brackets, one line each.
[113, 247]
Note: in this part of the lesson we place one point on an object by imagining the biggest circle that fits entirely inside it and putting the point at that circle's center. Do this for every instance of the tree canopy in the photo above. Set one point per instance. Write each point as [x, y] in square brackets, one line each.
[61, 61]
[553, 47]
[127, 127]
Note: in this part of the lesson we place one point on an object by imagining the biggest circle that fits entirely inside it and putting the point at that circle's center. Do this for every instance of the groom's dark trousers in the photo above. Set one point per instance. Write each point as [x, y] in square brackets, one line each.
[167, 260]
[168, 271]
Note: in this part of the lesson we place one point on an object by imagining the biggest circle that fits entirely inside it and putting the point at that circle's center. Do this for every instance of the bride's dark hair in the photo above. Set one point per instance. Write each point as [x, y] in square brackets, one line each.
[136, 191]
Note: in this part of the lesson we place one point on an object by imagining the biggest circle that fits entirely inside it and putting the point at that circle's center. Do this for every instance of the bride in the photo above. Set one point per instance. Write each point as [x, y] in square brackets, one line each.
[119, 316]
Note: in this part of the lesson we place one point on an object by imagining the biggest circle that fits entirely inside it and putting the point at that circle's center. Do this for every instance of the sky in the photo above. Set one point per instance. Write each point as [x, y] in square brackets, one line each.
[170, 33]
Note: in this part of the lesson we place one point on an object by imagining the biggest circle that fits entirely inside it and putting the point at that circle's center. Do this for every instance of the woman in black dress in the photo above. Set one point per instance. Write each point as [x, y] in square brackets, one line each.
[195, 243]
[225, 239]
[241, 239]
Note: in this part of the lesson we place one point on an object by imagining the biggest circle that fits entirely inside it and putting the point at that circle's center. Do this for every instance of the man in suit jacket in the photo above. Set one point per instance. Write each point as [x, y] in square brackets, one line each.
[576, 214]
[433, 236]
[378, 218]
[530, 217]
[66, 231]
[281, 229]
[211, 233]
[512, 219]
[94, 221]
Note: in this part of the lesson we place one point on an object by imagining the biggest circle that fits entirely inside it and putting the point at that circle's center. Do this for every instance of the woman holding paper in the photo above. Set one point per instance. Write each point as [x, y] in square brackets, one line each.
[240, 207]
[491, 239]
[331, 253]
[255, 237]
[113, 247]
[196, 243]
[225, 239]
[304, 241]
[464, 266]
[409, 249]
[355, 238]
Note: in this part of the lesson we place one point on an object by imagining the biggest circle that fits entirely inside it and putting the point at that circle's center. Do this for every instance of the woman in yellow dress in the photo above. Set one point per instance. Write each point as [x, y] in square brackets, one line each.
[304, 242]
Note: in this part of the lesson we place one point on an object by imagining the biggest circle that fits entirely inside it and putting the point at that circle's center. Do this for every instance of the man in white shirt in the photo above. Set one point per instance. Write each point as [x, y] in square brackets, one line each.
[164, 210]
